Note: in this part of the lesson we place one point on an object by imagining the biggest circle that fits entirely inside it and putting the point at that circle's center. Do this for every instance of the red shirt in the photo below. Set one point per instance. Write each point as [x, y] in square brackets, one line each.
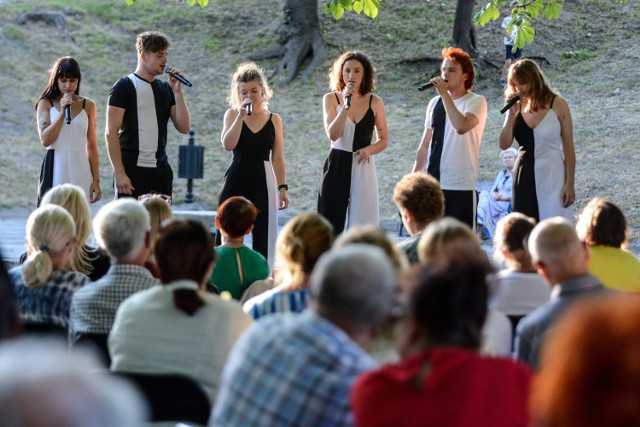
[462, 389]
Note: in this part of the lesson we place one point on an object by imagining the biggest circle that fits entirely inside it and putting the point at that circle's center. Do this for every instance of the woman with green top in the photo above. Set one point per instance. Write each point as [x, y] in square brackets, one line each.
[238, 266]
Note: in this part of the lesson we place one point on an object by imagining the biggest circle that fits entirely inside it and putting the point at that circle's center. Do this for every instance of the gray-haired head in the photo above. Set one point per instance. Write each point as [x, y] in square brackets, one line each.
[121, 228]
[354, 286]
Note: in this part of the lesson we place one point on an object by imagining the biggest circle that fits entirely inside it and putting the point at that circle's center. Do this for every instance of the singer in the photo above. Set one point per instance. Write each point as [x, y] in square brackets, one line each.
[72, 149]
[450, 145]
[349, 185]
[139, 108]
[543, 177]
[258, 155]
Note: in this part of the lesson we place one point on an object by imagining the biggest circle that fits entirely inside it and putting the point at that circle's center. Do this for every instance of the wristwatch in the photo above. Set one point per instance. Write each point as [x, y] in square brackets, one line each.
[281, 186]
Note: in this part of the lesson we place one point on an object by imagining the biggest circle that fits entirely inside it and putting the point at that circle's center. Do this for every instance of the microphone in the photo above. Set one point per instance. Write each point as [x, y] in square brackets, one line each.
[249, 109]
[510, 103]
[178, 77]
[347, 101]
[67, 114]
[427, 85]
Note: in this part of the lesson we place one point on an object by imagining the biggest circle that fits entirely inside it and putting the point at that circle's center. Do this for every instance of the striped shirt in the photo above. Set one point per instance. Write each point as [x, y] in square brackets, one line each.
[275, 301]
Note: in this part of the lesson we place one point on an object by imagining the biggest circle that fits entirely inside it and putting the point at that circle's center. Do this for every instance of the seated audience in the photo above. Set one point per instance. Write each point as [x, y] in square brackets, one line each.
[86, 258]
[299, 245]
[519, 289]
[238, 266]
[296, 369]
[603, 227]
[159, 211]
[420, 201]
[453, 239]
[442, 380]
[375, 236]
[561, 259]
[43, 284]
[122, 231]
[590, 371]
[45, 385]
[10, 326]
[496, 203]
[178, 327]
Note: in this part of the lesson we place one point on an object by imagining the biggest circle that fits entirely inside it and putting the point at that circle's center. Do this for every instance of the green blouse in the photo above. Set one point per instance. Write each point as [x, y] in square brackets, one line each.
[237, 268]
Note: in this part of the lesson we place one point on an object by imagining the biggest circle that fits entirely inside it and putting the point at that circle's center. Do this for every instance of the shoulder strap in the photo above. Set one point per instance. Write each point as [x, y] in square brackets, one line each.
[370, 99]
[552, 99]
[83, 102]
[270, 115]
[51, 101]
[337, 99]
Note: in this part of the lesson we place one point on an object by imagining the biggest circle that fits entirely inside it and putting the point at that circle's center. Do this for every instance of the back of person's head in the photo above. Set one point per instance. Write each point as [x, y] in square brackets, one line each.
[236, 216]
[602, 223]
[590, 370]
[43, 384]
[184, 251]
[354, 285]
[50, 230]
[122, 227]
[448, 238]
[554, 245]
[420, 194]
[301, 242]
[159, 211]
[511, 232]
[449, 301]
[375, 236]
[73, 199]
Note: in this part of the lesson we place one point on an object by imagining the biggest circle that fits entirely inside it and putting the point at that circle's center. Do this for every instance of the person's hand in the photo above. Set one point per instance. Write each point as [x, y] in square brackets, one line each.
[67, 99]
[348, 91]
[123, 183]
[515, 107]
[363, 156]
[496, 196]
[243, 106]
[568, 195]
[440, 85]
[94, 192]
[283, 199]
[175, 84]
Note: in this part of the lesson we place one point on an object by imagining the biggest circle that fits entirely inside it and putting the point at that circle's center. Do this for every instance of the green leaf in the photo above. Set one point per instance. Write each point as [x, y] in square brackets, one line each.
[130, 2]
[357, 6]
[371, 8]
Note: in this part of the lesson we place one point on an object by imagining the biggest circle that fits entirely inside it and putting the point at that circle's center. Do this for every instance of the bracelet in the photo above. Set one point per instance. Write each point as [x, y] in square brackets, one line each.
[281, 186]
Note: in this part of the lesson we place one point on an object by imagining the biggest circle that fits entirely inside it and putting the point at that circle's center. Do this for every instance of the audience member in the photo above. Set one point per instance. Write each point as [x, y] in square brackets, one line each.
[178, 327]
[420, 201]
[296, 369]
[561, 259]
[159, 208]
[43, 284]
[44, 385]
[122, 230]
[238, 266]
[449, 238]
[496, 203]
[376, 236]
[300, 243]
[442, 380]
[590, 370]
[9, 321]
[519, 289]
[603, 228]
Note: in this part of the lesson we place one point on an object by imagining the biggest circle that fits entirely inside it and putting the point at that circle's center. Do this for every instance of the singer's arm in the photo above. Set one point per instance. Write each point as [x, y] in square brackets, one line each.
[115, 116]
[333, 122]
[382, 134]
[92, 152]
[461, 122]
[48, 131]
[180, 115]
[506, 134]
[231, 129]
[561, 108]
[277, 160]
[422, 155]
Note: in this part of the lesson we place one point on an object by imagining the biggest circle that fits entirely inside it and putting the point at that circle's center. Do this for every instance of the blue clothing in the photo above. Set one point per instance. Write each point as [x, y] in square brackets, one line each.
[50, 303]
[290, 370]
[275, 301]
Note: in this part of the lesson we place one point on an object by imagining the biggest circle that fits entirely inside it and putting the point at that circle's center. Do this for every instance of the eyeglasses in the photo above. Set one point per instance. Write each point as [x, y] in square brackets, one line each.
[164, 197]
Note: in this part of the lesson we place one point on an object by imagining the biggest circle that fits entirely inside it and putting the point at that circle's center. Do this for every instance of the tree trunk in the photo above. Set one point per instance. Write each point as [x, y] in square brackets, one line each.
[464, 33]
[300, 37]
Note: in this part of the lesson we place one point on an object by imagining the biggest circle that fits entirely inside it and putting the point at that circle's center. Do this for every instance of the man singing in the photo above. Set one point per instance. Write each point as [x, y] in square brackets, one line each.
[450, 145]
[138, 111]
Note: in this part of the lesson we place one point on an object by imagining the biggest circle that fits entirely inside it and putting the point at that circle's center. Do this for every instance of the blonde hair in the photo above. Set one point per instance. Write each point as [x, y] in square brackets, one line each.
[159, 211]
[372, 235]
[50, 229]
[300, 243]
[73, 200]
[449, 238]
[245, 73]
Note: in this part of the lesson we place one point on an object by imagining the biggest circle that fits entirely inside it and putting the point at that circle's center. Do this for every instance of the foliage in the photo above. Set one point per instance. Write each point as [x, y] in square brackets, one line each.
[337, 7]
[202, 3]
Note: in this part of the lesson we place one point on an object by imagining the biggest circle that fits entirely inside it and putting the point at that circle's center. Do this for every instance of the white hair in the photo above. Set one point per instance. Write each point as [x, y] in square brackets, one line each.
[121, 227]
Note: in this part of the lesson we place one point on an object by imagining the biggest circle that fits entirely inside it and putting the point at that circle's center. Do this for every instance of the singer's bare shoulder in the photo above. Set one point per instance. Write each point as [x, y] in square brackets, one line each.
[44, 105]
[330, 98]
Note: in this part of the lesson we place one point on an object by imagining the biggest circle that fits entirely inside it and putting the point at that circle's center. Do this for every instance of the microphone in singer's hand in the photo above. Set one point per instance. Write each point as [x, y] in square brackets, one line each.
[249, 109]
[509, 104]
[67, 114]
[347, 102]
[428, 85]
[178, 77]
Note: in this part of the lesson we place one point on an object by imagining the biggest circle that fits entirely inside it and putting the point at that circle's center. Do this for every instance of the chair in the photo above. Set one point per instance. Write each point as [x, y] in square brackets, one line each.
[172, 397]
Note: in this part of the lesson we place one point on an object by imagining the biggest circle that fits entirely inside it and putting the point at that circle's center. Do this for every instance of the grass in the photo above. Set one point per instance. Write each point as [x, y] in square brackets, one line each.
[592, 63]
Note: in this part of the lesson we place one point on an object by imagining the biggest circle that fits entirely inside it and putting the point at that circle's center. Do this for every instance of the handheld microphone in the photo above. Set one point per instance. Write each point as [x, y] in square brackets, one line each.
[178, 77]
[67, 114]
[427, 85]
[347, 101]
[249, 109]
[510, 103]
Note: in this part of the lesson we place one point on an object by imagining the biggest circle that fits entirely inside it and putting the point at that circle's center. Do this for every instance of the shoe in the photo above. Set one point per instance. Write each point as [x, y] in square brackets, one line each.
[503, 82]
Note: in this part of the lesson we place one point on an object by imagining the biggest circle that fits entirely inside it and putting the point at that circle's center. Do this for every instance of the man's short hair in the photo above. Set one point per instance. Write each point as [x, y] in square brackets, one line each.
[355, 283]
[553, 242]
[420, 194]
[152, 41]
[121, 227]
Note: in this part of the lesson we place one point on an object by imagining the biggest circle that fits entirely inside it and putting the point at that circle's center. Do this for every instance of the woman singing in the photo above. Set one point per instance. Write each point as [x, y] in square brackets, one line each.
[349, 185]
[257, 170]
[543, 179]
[72, 148]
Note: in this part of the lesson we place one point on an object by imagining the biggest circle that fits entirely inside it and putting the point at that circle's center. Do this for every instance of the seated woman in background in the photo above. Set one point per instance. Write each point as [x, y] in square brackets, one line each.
[159, 209]
[603, 228]
[43, 284]
[238, 265]
[496, 203]
[442, 380]
[519, 289]
[300, 243]
[177, 327]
